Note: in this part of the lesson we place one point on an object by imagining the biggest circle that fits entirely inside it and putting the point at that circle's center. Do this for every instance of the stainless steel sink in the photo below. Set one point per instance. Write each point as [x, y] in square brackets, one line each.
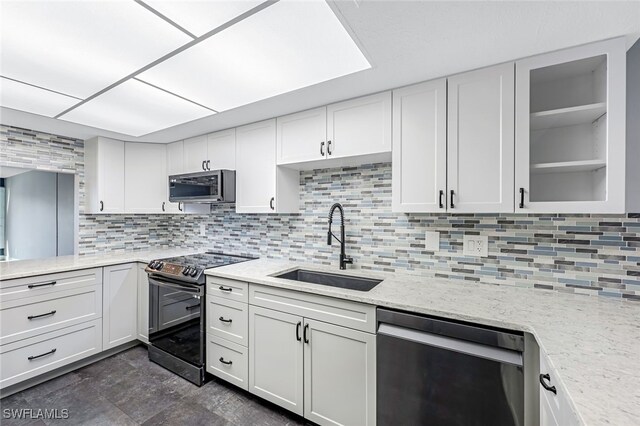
[332, 280]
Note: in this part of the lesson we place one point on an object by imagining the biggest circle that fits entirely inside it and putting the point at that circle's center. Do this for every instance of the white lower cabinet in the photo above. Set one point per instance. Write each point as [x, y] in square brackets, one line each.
[339, 375]
[325, 372]
[120, 304]
[555, 409]
[276, 357]
[228, 361]
[31, 357]
[143, 304]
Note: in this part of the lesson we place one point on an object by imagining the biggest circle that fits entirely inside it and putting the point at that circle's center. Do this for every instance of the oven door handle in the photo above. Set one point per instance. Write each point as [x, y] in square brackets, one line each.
[167, 284]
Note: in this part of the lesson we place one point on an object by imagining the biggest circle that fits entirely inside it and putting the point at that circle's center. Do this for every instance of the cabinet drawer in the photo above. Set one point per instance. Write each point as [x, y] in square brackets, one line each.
[47, 284]
[558, 403]
[220, 352]
[358, 316]
[228, 289]
[228, 319]
[32, 316]
[31, 357]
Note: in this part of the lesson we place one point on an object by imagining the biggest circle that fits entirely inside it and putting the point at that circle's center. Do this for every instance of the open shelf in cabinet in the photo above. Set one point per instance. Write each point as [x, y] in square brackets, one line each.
[570, 116]
[568, 166]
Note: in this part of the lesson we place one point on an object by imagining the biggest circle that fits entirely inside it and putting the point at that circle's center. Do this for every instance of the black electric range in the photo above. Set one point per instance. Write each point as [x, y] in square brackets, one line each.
[177, 311]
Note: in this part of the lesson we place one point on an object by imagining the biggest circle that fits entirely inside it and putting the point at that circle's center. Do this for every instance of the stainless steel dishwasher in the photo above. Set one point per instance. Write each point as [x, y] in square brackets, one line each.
[432, 371]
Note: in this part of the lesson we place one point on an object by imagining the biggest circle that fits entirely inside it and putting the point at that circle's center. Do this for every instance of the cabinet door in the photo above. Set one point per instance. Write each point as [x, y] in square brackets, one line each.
[175, 165]
[119, 305]
[420, 147]
[143, 304]
[339, 375]
[221, 150]
[302, 137]
[195, 154]
[481, 140]
[276, 357]
[145, 172]
[104, 176]
[359, 126]
[256, 168]
[570, 130]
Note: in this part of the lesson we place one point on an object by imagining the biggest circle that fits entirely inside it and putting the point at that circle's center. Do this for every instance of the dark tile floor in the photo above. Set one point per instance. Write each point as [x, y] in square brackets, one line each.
[128, 389]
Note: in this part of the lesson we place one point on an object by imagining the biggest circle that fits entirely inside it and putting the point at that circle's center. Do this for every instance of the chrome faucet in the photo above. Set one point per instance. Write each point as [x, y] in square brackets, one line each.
[330, 235]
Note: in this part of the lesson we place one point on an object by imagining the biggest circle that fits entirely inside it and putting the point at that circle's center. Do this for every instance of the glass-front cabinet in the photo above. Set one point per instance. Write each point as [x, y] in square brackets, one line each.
[570, 130]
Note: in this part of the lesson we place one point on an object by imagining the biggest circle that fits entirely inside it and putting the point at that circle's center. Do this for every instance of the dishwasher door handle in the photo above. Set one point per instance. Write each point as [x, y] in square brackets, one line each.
[456, 345]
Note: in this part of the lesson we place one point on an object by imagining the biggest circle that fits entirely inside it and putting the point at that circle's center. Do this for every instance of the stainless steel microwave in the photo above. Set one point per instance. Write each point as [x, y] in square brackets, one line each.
[213, 186]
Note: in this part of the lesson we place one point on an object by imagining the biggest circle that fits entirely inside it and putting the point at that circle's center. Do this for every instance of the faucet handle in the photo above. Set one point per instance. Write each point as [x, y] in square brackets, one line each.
[329, 237]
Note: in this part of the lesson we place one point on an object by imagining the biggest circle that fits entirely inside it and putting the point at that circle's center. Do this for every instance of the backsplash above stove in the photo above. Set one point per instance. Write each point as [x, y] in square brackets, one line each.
[590, 254]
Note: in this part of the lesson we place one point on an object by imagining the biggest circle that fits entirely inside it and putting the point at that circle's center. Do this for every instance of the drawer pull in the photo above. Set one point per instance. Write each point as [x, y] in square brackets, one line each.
[31, 358]
[225, 320]
[41, 285]
[192, 307]
[227, 289]
[545, 385]
[41, 315]
[225, 362]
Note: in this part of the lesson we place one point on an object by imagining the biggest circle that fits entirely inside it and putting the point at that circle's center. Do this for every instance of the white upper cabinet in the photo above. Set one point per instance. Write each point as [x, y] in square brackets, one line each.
[210, 152]
[481, 141]
[262, 186]
[302, 137]
[195, 154]
[104, 175]
[145, 171]
[359, 127]
[221, 150]
[419, 175]
[570, 130]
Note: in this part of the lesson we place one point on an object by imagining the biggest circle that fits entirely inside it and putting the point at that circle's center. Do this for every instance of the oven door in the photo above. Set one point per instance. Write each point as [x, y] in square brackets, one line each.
[176, 319]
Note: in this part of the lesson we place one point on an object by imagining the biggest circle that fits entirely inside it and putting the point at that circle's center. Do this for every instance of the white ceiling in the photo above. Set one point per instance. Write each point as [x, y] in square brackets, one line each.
[405, 42]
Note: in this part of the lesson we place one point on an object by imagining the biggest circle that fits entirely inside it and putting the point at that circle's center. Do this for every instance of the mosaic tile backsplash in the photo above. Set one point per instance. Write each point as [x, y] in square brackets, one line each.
[588, 254]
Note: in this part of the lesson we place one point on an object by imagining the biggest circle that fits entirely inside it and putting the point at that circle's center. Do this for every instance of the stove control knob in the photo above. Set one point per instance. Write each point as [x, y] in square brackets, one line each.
[159, 265]
[154, 264]
[193, 272]
[150, 264]
[186, 271]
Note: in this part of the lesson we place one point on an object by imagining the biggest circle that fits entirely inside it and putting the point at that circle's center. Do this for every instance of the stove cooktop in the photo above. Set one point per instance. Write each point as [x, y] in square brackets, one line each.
[191, 268]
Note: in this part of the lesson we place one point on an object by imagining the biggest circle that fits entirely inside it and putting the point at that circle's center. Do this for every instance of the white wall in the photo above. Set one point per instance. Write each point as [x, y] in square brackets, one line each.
[36, 222]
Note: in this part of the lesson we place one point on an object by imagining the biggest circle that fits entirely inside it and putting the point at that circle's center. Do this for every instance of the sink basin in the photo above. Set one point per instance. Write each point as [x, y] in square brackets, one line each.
[332, 280]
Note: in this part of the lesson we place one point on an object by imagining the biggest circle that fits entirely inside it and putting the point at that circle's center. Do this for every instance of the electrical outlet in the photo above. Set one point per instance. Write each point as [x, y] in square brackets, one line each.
[432, 241]
[203, 230]
[475, 245]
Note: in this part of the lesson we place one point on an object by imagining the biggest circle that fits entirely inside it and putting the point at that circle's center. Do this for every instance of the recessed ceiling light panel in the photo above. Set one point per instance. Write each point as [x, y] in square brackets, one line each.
[286, 46]
[80, 47]
[199, 17]
[135, 108]
[24, 97]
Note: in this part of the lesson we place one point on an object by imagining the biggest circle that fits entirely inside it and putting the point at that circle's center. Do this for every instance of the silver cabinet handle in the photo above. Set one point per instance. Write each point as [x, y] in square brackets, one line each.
[328, 147]
[271, 203]
[322, 148]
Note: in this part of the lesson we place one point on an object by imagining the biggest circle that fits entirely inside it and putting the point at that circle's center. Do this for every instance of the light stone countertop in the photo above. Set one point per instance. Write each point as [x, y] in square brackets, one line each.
[51, 265]
[593, 343]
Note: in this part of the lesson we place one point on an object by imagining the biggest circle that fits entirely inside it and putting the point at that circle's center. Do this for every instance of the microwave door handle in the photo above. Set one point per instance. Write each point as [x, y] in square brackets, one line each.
[173, 286]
